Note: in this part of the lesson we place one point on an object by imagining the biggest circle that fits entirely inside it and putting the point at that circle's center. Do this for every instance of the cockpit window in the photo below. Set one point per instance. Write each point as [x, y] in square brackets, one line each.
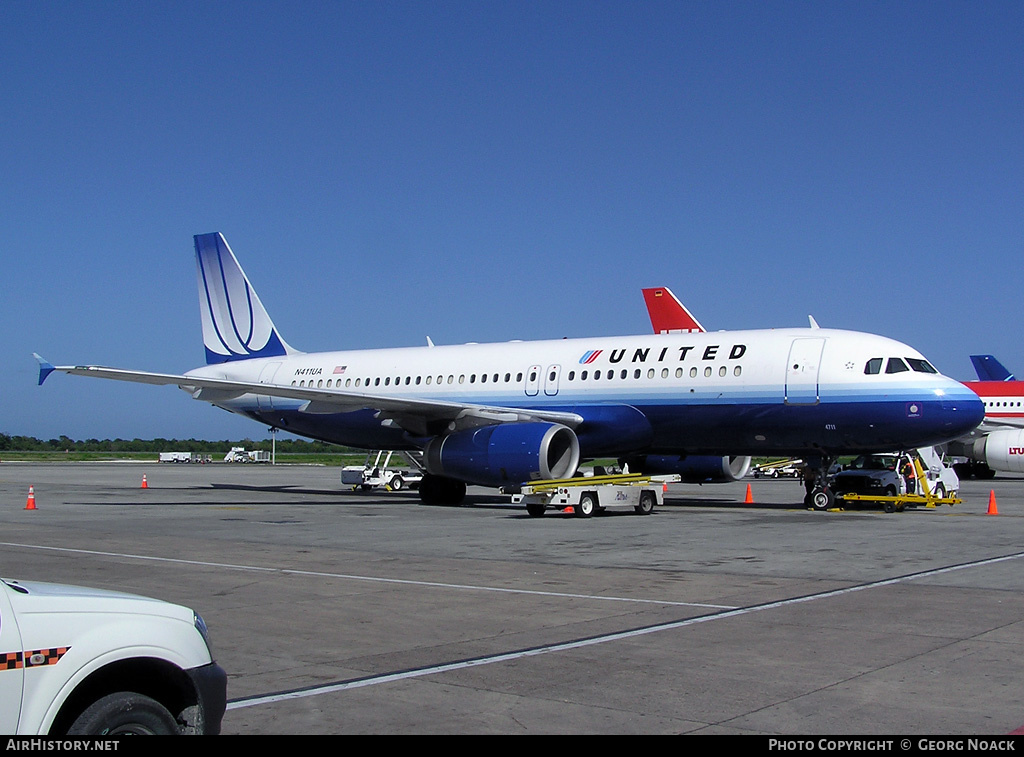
[895, 365]
[921, 366]
[873, 366]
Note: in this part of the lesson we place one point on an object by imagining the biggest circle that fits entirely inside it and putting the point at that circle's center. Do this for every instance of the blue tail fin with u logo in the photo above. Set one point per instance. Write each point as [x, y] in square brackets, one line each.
[235, 323]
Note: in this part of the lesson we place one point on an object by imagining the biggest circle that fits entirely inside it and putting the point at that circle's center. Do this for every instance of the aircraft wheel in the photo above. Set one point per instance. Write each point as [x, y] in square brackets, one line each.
[822, 499]
[646, 504]
[587, 505]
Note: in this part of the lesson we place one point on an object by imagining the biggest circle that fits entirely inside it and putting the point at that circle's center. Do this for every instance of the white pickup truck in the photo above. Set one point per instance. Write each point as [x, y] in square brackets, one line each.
[88, 662]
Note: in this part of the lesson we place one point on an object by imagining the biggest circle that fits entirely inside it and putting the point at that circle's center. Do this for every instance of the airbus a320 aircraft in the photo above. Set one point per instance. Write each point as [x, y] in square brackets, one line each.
[503, 414]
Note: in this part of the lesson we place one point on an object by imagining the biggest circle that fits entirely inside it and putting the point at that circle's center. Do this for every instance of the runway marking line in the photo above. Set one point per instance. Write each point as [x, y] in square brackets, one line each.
[373, 680]
[371, 579]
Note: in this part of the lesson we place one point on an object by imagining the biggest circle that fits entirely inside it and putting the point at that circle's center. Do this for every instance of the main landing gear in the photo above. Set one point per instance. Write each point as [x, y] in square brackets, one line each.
[819, 495]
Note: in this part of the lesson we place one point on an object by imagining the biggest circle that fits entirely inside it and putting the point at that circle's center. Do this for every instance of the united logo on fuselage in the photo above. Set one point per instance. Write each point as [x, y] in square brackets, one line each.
[645, 354]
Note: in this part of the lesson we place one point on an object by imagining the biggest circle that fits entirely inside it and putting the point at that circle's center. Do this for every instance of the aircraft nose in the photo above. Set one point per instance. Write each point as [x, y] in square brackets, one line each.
[962, 411]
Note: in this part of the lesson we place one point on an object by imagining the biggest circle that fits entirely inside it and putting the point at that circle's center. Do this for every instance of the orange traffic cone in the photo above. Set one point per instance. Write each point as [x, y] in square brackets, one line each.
[31, 504]
[144, 484]
[992, 509]
[749, 500]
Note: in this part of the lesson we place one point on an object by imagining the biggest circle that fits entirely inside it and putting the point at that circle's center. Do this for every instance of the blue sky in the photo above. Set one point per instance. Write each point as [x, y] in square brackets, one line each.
[485, 171]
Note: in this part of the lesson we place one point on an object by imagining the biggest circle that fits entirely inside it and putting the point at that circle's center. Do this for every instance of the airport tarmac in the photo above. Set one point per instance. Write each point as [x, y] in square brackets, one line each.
[338, 612]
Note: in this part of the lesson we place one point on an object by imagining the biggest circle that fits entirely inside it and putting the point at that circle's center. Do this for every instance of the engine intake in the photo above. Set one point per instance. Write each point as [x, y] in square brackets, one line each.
[507, 453]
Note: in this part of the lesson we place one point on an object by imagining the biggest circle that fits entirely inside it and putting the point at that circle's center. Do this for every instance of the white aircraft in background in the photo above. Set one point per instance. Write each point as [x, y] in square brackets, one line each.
[504, 414]
[998, 443]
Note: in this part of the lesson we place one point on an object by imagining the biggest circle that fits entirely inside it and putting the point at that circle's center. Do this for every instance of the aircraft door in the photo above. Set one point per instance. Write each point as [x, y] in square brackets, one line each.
[12, 679]
[551, 380]
[802, 371]
[532, 381]
[264, 401]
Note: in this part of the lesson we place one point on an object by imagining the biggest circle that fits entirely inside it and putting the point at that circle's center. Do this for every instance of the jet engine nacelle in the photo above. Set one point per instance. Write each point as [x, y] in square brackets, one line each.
[507, 453]
[693, 469]
[1002, 450]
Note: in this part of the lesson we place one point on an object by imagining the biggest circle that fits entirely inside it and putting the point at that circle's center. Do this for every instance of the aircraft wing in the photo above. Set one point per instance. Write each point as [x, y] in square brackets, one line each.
[418, 416]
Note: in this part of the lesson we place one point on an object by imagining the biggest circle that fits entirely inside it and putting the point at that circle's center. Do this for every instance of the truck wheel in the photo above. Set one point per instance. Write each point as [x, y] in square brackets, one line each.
[124, 714]
[586, 506]
[396, 484]
[535, 510]
[646, 504]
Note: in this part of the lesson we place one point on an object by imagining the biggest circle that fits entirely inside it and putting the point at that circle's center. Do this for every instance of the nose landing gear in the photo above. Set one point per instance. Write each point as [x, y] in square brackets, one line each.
[819, 495]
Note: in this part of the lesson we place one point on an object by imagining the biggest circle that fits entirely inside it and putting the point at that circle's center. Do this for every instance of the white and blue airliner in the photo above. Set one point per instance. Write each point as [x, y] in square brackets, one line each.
[698, 404]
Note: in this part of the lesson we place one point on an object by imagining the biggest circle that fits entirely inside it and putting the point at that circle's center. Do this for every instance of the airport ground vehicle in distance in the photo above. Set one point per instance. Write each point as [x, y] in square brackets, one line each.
[177, 457]
[241, 455]
[376, 471]
[89, 662]
[778, 469]
[501, 415]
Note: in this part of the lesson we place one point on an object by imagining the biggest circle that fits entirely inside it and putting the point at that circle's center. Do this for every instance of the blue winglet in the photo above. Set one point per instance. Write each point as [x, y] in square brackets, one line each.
[45, 368]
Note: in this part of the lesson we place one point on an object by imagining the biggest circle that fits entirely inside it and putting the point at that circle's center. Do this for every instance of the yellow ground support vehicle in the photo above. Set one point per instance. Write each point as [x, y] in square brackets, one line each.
[588, 495]
[896, 502]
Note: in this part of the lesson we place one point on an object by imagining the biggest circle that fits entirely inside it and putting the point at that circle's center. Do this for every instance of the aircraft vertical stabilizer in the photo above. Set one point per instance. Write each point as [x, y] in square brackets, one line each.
[668, 314]
[236, 326]
[990, 369]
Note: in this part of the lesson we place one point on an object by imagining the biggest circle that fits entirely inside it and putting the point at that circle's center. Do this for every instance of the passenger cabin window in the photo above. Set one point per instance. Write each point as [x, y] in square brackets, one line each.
[895, 365]
[873, 366]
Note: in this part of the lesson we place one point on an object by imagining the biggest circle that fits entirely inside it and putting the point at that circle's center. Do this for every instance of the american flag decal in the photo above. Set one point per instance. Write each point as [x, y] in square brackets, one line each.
[339, 369]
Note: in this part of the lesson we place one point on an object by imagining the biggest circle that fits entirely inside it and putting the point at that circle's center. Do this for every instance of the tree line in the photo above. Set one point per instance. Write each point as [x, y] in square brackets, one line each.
[9, 443]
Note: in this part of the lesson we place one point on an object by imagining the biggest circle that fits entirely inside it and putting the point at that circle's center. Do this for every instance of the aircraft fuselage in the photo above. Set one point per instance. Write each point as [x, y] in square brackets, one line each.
[780, 391]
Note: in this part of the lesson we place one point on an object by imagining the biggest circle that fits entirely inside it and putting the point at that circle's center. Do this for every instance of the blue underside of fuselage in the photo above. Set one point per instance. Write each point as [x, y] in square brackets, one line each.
[725, 429]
